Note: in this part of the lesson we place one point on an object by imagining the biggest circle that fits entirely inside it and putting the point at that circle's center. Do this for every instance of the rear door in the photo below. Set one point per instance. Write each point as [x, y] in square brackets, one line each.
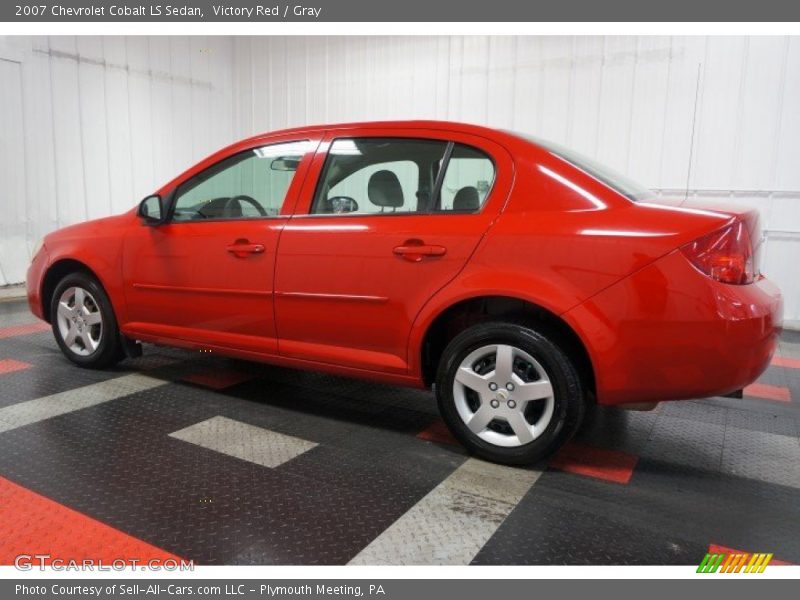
[386, 218]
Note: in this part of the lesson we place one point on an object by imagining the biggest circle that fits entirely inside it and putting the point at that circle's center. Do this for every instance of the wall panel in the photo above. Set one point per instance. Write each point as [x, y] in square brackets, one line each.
[15, 209]
[92, 124]
[117, 118]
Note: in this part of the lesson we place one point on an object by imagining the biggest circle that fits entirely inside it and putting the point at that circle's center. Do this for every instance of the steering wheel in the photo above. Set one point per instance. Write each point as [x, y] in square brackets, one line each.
[248, 200]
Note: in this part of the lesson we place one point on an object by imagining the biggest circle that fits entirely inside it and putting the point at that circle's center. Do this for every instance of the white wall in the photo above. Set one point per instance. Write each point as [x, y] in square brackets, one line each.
[103, 121]
[89, 125]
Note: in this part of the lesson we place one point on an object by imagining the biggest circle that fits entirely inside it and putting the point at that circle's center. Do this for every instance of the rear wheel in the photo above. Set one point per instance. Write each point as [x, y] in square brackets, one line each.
[508, 393]
[83, 322]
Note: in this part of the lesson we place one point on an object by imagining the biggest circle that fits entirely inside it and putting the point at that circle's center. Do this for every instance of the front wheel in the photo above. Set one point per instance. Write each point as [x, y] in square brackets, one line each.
[508, 393]
[83, 322]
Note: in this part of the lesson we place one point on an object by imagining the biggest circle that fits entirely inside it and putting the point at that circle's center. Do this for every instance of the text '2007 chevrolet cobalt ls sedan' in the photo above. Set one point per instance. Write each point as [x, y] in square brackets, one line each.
[521, 280]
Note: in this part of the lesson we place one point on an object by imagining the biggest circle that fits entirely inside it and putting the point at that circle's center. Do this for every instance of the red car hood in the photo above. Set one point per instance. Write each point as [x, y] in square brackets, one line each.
[97, 227]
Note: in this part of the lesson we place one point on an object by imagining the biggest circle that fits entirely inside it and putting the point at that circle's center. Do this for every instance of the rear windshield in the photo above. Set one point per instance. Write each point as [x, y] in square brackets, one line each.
[616, 181]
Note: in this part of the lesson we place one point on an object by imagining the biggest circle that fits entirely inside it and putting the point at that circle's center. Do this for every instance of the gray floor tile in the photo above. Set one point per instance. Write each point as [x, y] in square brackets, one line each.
[247, 442]
[681, 441]
[764, 456]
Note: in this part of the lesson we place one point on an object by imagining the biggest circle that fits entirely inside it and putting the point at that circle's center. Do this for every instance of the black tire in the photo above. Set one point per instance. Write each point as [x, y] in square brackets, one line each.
[568, 392]
[109, 351]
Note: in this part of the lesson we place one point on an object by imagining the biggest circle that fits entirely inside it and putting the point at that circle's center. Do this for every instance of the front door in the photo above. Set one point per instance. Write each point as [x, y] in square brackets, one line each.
[206, 276]
[384, 221]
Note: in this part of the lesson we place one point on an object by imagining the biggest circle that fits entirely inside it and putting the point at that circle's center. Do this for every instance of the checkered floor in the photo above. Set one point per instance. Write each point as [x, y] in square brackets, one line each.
[226, 462]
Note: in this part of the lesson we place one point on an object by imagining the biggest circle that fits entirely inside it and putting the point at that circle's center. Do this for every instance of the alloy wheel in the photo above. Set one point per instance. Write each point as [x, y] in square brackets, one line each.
[503, 395]
[80, 322]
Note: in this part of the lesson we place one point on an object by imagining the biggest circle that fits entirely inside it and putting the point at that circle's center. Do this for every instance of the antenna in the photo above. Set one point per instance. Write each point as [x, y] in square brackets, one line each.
[691, 139]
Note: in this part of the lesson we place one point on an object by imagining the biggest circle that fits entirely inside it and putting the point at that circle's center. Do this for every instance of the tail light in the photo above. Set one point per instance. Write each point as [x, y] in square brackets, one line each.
[725, 255]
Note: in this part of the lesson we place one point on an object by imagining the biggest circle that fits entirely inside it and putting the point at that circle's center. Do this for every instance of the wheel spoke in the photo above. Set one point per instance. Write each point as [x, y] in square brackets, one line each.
[65, 311]
[535, 390]
[467, 377]
[72, 334]
[80, 298]
[520, 427]
[88, 342]
[504, 363]
[482, 417]
[93, 318]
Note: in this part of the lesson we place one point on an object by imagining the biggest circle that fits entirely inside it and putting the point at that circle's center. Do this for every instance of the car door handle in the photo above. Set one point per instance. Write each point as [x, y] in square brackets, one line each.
[242, 248]
[416, 250]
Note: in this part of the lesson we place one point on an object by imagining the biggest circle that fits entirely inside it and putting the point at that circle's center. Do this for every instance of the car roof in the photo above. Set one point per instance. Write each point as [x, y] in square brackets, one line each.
[468, 128]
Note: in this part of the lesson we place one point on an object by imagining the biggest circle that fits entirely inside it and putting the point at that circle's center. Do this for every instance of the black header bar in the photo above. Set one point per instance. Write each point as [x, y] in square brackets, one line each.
[399, 11]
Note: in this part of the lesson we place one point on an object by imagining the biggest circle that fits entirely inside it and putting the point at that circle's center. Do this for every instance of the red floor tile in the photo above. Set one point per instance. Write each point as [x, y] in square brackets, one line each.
[768, 392]
[219, 379]
[32, 524]
[437, 432]
[9, 365]
[609, 465]
[716, 549]
[783, 361]
[6, 332]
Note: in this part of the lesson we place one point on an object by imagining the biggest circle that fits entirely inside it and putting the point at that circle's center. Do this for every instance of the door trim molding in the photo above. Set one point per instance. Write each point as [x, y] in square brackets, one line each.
[346, 297]
[199, 290]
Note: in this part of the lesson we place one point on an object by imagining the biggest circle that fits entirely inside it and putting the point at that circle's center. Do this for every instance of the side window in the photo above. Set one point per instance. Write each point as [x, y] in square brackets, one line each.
[378, 175]
[248, 185]
[467, 180]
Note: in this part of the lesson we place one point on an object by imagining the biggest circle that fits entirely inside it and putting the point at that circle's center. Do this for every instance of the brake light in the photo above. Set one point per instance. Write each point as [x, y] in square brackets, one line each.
[725, 255]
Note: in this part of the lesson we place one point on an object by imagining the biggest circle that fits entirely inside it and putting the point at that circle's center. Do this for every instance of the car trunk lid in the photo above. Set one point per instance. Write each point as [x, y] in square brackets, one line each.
[749, 215]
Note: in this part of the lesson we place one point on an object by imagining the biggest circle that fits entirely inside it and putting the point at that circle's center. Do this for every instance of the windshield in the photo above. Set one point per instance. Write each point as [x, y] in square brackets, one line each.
[616, 181]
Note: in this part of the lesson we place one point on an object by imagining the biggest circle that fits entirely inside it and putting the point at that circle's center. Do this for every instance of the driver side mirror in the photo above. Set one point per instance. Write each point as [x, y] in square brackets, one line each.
[151, 210]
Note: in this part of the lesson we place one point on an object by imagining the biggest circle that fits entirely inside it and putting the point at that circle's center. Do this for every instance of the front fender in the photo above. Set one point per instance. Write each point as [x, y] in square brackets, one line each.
[97, 246]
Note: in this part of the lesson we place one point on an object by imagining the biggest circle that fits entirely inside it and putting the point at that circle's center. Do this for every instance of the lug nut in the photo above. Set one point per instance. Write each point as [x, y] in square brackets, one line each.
[494, 403]
[510, 386]
[493, 386]
[512, 404]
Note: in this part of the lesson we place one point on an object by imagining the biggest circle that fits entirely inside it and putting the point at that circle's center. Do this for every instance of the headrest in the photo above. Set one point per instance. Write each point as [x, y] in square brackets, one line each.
[384, 189]
[467, 199]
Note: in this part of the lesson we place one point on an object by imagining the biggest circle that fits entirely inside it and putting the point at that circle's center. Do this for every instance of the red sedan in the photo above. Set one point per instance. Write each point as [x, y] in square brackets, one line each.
[521, 280]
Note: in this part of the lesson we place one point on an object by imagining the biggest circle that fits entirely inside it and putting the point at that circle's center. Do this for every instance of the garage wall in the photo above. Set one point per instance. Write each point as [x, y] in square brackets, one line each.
[719, 115]
[89, 125]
